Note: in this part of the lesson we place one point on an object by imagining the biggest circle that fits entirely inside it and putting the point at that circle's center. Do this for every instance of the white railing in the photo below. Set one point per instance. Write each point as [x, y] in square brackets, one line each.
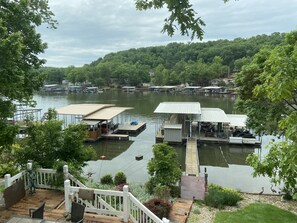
[9, 180]
[138, 213]
[112, 203]
[105, 202]
[43, 178]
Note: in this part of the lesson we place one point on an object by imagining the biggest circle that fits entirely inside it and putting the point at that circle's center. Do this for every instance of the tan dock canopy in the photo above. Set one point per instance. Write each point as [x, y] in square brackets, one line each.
[237, 120]
[106, 113]
[213, 115]
[179, 108]
[81, 109]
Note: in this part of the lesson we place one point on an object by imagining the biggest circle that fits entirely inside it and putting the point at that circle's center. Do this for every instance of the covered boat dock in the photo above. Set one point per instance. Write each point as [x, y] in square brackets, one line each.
[102, 120]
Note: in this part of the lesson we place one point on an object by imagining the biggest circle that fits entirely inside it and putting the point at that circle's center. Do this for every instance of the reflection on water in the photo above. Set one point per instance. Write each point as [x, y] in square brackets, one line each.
[223, 155]
[110, 149]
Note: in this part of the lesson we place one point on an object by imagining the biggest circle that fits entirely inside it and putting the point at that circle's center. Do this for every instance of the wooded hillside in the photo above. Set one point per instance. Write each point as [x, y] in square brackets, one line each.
[175, 63]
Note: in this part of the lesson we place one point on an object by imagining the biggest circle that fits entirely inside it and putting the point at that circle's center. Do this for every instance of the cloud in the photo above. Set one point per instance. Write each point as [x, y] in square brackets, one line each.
[89, 29]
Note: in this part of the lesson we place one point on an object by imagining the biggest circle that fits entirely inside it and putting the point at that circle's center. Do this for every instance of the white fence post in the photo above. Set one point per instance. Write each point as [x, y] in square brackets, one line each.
[126, 203]
[65, 172]
[67, 195]
[7, 182]
[165, 220]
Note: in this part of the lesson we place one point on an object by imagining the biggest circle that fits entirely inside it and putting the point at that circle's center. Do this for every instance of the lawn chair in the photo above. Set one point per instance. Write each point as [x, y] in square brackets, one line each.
[77, 212]
[37, 213]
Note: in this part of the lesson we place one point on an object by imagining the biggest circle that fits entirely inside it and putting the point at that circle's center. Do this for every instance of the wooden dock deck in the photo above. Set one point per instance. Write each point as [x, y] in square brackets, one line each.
[131, 129]
[54, 208]
[112, 136]
[192, 160]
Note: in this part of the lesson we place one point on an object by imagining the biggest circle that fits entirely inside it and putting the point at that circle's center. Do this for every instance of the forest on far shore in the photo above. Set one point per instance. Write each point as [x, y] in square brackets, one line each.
[173, 64]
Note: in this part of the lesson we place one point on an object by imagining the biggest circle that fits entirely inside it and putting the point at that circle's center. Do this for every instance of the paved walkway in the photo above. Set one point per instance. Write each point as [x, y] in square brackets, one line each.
[192, 187]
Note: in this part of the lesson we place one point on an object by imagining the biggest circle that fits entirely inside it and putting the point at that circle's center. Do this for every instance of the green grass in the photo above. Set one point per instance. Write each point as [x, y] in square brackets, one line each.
[257, 213]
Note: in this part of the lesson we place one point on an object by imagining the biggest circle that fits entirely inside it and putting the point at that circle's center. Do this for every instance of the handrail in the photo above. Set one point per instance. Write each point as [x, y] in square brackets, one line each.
[113, 203]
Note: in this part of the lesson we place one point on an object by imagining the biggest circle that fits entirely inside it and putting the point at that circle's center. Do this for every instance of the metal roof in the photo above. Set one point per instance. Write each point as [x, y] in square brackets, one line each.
[179, 108]
[174, 126]
[237, 120]
[106, 113]
[213, 115]
[81, 109]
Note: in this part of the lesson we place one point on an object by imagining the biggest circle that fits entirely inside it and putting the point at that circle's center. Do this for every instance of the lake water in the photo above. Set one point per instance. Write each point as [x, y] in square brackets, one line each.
[225, 164]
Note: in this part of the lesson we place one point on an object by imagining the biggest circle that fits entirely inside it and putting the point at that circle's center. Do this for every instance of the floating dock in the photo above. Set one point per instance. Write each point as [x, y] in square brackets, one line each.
[131, 130]
[120, 137]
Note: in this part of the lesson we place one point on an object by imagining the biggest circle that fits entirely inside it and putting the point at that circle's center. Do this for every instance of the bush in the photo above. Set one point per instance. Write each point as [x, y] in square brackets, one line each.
[162, 191]
[159, 207]
[121, 186]
[149, 186]
[106, 179]
[175, 191]
[120, 178]
[218, 196]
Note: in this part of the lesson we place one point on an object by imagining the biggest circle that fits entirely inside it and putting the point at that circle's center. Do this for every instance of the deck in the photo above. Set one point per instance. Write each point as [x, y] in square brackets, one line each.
[132, 130]
[54, 208]
[112, 136]
[192, 160]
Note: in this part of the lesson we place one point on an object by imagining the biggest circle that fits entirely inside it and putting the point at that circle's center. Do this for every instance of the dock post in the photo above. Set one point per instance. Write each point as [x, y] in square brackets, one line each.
[205, 179]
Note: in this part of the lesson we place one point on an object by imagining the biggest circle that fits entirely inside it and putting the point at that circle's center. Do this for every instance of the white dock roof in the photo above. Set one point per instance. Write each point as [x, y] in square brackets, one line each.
[81, 109]
[213, 115]
[106, 113]
[237, 120]
[179, 108]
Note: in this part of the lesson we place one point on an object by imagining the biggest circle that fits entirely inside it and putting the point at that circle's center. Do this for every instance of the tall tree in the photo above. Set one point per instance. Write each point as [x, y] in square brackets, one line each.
[268, 94]
[20, 45]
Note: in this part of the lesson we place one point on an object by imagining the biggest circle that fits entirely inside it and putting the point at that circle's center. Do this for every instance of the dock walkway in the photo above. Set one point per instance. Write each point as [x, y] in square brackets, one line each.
[192, 161]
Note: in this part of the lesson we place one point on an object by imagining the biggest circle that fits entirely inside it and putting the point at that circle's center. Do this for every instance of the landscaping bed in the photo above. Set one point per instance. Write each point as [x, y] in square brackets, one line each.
[201, 213]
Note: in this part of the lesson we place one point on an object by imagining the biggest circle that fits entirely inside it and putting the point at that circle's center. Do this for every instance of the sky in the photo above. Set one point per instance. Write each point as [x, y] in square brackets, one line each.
[90, 29]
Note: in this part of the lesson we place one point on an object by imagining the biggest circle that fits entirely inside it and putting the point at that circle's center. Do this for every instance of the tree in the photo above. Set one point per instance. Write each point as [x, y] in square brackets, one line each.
[182, 17]
[47, 143]
[20, 45]
[268, 94]
[164, 168]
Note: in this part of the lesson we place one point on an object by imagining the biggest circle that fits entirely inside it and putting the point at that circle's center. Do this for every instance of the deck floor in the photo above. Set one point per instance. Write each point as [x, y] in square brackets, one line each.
[54, 208]
[180, 211]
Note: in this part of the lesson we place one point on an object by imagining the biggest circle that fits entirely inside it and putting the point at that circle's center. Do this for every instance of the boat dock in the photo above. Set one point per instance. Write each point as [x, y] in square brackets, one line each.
[192, 160]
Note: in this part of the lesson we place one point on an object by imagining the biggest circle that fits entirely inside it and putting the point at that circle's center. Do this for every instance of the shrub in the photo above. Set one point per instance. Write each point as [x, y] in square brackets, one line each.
[218, 196]
[120, 178]
[159, 207]
[106, 179]
[121, 186]
[149, 186]
[162, 191]
[175, 191]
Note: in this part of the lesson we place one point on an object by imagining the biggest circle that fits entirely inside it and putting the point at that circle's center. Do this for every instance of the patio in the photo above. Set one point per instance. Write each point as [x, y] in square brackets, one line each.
[54, 208]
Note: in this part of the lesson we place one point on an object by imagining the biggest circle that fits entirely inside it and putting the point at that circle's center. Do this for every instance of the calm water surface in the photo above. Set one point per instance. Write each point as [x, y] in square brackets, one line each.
[225, 164]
